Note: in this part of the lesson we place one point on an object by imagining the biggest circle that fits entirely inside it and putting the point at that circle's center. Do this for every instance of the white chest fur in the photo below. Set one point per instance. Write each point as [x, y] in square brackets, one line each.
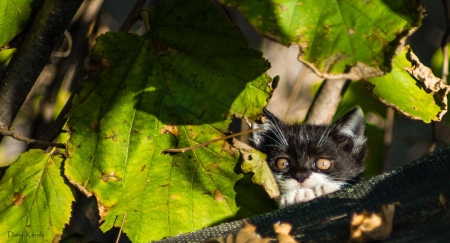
[293, 192]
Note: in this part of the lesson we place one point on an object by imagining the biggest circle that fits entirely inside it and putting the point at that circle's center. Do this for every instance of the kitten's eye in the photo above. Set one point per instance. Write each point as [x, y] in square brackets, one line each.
[323, 164]
[283, 163]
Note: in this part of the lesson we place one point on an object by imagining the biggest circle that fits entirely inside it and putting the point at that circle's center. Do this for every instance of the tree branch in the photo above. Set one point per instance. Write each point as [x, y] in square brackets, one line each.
[133, 16]
[326, 101]
[29, 140]
[44, 34]
[72, 68]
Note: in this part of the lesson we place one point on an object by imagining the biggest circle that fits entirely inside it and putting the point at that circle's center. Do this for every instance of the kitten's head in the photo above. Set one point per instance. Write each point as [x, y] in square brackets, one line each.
[297, 153]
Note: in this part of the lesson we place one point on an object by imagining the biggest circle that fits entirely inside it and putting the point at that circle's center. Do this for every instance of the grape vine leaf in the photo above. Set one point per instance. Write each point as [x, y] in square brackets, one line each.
[411, 88]
[338, 39]
[15, 16]
[34, 199]
[176, 86]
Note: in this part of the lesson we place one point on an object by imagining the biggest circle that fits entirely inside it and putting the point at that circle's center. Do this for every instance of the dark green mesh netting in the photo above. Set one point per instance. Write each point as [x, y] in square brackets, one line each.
[420, 217]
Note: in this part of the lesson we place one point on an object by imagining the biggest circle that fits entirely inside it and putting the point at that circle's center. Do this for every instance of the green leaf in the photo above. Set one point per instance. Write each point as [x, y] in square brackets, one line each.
[35, 202]
[177, 86]
[15, 15]
[411, 88]
[337, 38]
[255, 161]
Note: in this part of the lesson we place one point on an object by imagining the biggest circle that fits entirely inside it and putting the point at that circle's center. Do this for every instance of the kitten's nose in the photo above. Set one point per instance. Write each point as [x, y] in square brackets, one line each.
[301, 176]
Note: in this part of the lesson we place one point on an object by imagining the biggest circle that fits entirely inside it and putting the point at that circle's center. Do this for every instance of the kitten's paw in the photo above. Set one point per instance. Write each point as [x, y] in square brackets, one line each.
[323, 189]
[296, 196]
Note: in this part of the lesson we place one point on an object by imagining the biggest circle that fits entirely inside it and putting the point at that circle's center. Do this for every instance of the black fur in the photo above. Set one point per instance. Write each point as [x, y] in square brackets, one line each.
[342, 142]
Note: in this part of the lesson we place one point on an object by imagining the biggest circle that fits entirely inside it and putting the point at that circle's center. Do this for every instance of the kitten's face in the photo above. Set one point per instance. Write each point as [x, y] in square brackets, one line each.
[308, 161]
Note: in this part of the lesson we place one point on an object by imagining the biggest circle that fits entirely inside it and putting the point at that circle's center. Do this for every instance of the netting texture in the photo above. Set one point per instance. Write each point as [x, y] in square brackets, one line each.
[418, 188]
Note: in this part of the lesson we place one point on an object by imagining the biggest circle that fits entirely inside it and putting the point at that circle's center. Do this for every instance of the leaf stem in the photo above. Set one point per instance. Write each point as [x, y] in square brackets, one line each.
[182, 150]
[144, 17]
[16, 136]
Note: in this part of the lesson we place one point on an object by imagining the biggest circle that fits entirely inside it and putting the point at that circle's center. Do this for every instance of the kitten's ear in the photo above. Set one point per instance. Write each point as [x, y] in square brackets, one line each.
[269, 117]
[270, 121]
[351, 128]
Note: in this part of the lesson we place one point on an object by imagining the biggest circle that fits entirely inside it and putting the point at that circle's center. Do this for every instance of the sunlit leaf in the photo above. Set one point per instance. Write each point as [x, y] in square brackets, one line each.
[35, 201]
[176, 86]
[412, 89]
[339, 38]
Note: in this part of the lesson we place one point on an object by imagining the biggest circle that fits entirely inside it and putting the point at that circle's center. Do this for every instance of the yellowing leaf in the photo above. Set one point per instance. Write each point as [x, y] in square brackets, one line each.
[255, 161]
[247, 234]
[338, 39]
[282, 230]
[411, 88]
[177, 86]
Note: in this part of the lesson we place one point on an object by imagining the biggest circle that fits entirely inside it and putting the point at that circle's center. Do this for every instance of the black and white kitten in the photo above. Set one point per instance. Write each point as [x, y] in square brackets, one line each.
[308, 161]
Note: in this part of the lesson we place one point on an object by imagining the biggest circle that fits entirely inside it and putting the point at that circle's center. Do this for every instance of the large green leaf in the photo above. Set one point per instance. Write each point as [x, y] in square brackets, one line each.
[35, 202]
[176, 86]
[14, 16]
[338, 38]
[411, 88]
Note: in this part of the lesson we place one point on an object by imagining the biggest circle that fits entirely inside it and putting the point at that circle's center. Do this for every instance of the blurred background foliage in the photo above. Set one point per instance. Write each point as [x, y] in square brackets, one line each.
[394, 140]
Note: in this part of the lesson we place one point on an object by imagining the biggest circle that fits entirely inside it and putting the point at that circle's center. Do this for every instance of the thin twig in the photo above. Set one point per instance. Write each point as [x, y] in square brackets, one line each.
[16, 136]
[389, 126]
[121, 228]
[445, 40]
[182, 150]
[56, 127]
[133, 16]
[326, 102]
[322, 221]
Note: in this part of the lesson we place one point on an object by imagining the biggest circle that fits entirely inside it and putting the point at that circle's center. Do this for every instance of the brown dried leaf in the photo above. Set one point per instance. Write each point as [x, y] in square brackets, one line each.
[365, 227]
[282, 230]
[254, 161]
[432, 84]
[247, 234]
